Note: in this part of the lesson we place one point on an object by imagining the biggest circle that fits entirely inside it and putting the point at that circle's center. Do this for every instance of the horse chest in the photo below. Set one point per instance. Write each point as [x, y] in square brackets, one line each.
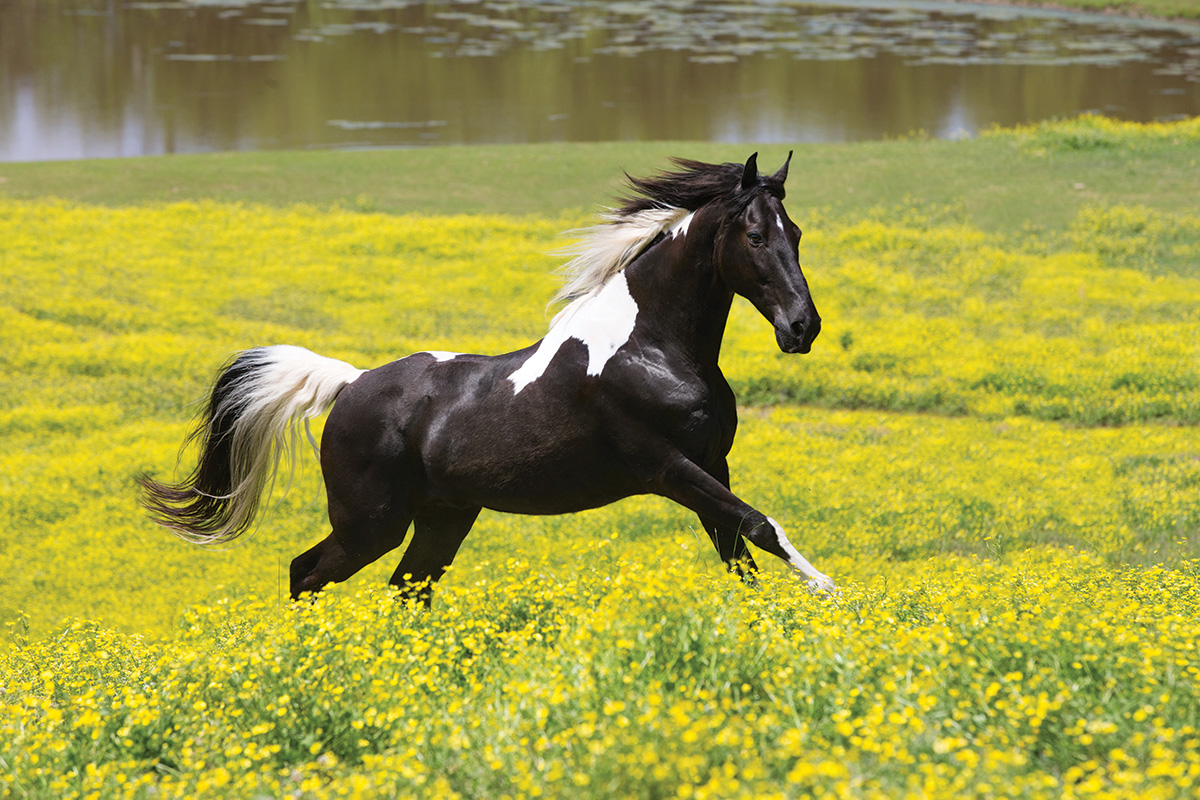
[695, 411]
[713, 423]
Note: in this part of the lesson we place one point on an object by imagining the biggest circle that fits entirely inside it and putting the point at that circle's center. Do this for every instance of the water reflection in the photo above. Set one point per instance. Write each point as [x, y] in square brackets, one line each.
[83, 78]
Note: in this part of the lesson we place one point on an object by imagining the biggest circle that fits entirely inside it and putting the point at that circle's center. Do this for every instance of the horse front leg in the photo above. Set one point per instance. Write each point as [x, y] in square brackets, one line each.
[730, 544]
[690, 486]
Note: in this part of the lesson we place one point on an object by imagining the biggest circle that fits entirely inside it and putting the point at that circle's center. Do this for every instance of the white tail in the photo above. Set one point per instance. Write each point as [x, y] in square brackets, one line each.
[250, 424]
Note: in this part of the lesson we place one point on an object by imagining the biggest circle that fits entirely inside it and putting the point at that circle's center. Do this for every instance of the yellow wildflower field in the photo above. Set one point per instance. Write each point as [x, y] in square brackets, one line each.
[1050, 675]
[992, 448]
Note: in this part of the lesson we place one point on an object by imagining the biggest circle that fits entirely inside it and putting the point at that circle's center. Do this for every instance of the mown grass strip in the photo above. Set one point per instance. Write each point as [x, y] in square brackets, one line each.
[1000, 181]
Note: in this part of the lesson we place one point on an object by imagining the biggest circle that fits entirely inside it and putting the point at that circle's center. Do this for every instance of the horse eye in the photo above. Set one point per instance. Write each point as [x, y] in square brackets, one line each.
[755, 238]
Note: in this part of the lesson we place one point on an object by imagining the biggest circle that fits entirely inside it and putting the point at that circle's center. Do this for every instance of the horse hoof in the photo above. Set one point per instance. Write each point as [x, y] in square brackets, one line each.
[823, 585]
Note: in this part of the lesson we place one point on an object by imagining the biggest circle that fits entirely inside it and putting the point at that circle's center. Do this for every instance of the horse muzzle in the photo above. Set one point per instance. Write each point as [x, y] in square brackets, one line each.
[799, 336]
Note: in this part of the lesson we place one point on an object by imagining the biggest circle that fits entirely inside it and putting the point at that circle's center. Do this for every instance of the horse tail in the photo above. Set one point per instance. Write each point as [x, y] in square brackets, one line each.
[249, 425]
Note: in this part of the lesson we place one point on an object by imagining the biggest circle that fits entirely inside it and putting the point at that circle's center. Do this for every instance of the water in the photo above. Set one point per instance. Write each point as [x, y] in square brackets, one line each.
[99, 78]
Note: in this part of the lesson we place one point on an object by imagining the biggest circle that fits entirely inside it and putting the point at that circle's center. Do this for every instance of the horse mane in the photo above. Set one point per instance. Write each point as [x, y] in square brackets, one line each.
[605, 249]
[693, 186]
[657, 204]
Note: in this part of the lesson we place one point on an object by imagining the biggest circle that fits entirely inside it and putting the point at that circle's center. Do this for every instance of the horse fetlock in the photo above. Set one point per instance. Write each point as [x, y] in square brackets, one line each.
[823, 585]
[817, 581]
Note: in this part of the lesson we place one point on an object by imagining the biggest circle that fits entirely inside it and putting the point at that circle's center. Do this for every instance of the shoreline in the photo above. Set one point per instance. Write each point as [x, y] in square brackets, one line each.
[1135, 12]
[1131, 12]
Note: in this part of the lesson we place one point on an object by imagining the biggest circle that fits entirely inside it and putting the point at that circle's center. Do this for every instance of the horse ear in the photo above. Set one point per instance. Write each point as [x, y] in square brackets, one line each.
[781, 176]
[750, 173]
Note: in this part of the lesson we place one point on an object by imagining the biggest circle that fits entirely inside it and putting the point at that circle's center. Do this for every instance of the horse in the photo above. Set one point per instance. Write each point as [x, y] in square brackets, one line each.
[623, 396]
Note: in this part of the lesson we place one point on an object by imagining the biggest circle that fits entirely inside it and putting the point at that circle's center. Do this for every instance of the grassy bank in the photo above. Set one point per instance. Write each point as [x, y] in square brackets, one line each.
[991, 446]
[1001, 182]
[1166, 9]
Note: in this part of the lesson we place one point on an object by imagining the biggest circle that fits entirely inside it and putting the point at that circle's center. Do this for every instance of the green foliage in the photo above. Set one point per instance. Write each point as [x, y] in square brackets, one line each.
[1092, 132]
[1001, 180]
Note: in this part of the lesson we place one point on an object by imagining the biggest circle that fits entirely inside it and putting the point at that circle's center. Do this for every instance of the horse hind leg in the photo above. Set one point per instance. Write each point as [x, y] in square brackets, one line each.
[321, 564]
[437, 535]
[368, 489]
[357, 538]
[331, 561]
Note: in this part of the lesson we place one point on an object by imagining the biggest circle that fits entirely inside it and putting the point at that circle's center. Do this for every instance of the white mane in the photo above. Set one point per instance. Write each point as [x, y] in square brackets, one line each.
[605, 249]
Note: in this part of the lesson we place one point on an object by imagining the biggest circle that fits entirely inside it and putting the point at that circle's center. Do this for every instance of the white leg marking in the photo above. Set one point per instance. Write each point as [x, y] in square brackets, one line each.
[440, 355]
[602, 320]
[817, 581]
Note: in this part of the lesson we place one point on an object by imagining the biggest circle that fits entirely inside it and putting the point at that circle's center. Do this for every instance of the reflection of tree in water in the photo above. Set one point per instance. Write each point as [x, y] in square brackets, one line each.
[95, 77]
[714, 29]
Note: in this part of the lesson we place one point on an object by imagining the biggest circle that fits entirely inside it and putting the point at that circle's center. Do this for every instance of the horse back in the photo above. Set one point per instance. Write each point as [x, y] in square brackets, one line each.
[455, 429]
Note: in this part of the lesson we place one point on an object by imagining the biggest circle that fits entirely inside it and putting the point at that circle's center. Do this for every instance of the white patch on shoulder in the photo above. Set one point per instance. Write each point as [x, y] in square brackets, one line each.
[779, 222]
[817, 581]
[680, 228]
[603, 320]
[440, 355]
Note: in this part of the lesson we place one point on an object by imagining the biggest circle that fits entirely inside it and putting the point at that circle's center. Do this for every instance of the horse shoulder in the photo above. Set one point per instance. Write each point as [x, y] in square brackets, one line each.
[674, 404]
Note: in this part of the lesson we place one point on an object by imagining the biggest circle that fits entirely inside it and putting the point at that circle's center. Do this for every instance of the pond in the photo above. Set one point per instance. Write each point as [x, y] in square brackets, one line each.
[101, 78]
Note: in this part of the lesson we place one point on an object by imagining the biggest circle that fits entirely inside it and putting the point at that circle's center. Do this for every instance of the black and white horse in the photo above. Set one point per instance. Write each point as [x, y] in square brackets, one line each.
[623, 396]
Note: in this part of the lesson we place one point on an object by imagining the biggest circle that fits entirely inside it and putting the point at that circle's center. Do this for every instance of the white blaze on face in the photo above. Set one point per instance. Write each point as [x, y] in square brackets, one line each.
[603, 321]
[779, 222]
[817, 581]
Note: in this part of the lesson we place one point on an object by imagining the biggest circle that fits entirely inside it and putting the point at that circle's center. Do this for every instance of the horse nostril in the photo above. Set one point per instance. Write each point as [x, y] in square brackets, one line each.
[806, 329]
[804, 332]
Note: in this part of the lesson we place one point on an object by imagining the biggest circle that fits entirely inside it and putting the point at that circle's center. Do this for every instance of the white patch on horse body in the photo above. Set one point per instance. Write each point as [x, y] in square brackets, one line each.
[440, 355]
[680, 227]
[603, 320]
[817, 581]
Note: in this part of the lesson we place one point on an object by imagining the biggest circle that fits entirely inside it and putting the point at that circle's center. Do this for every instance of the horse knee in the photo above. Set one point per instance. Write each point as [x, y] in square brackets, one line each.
[757, 528]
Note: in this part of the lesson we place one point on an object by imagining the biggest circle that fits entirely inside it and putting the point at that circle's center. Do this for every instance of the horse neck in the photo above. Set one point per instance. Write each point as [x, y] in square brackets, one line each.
[679, 290]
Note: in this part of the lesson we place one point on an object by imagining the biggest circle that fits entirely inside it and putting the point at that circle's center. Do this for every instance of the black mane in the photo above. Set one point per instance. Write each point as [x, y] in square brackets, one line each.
[694, 186]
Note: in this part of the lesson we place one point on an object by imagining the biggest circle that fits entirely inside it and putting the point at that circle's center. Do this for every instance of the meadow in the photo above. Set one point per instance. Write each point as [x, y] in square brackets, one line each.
[992, 448]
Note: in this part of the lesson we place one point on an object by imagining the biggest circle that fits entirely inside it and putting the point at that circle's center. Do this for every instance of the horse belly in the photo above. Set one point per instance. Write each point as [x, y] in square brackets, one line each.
[467, 438]
[509, 454]
[519, 470]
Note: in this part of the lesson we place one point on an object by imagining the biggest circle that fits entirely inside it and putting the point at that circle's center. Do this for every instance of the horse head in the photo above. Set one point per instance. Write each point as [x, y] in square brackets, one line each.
[758, 258]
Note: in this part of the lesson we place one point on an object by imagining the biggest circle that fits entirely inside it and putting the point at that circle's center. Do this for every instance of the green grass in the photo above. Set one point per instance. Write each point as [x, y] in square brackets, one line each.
[1000, 187]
